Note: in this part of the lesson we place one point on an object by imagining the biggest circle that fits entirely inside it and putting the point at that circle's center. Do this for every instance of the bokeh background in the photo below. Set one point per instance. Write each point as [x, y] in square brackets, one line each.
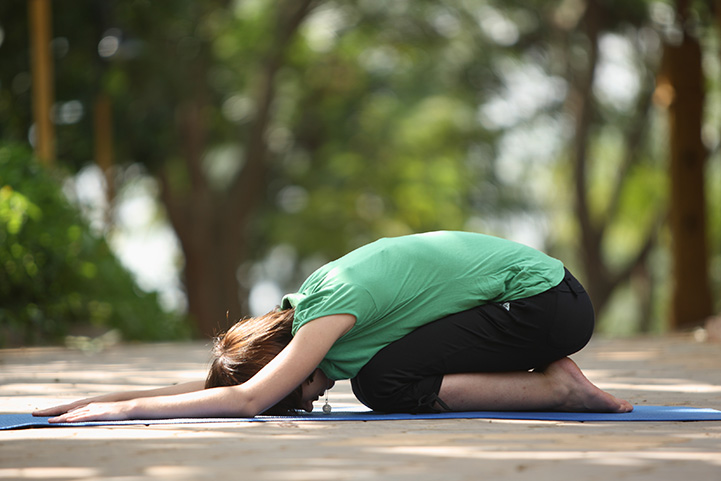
[169, 167]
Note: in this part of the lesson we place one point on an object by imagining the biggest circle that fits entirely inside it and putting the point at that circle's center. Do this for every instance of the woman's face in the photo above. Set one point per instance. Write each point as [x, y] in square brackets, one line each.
[315, 389]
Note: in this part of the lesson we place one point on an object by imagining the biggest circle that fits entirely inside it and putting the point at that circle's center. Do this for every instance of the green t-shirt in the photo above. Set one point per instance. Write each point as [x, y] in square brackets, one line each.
[394, 285]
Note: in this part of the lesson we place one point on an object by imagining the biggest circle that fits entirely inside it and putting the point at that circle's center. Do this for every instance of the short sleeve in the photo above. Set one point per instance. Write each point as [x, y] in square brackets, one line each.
[338, 299]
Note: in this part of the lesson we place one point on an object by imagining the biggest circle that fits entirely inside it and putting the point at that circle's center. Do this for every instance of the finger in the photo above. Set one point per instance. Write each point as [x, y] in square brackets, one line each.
[83, 413]
[57, 410]
[52, 411]
[70, 417]
[64, 418]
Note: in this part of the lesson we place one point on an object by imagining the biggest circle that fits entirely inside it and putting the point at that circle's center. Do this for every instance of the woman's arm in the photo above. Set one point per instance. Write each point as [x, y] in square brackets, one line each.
[271, 384]
[296, 362]
[123, 396]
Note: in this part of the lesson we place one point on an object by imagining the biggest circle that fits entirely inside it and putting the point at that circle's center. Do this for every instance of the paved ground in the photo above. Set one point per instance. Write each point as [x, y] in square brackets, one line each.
[673, 370]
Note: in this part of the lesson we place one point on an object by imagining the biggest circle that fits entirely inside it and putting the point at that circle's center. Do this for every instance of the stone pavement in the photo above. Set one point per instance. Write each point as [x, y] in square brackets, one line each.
[671, 370]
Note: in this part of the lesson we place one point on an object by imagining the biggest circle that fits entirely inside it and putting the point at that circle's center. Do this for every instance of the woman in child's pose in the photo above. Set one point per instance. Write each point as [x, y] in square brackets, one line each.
[443, 321]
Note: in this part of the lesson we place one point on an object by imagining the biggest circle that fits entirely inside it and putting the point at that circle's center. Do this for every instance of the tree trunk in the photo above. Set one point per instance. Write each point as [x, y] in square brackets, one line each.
[600, 280]
[211, 261]
[212, 225]
[43, 95]
[582, 106]
[103, 150]
[682, 77]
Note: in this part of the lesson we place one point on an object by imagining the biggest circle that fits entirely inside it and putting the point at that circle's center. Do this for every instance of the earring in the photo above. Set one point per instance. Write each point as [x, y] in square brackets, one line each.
[326, 407]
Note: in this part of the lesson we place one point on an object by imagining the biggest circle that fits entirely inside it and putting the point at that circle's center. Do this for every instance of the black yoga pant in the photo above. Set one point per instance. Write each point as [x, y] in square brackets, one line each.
[519, 335]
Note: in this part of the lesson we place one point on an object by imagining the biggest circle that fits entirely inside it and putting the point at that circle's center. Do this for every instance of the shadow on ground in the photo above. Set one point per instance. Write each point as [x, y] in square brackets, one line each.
[670, 370]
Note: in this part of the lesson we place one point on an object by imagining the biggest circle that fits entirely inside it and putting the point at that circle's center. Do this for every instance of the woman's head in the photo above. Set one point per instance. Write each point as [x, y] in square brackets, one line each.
[247, 347]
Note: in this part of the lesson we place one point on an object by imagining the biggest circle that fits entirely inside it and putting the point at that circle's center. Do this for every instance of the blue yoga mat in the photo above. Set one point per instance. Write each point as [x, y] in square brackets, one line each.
[640, 413]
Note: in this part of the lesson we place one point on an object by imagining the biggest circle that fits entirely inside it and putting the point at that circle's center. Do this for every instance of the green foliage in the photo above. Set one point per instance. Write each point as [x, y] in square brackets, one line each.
[383, 127]
[387, 117]
[55, 273]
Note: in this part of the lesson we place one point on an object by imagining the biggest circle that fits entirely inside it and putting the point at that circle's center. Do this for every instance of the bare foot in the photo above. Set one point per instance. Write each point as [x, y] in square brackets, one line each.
[579, 394]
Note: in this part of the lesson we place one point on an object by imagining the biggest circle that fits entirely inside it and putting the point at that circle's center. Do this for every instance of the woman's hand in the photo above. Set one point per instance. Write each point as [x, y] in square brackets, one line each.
[221, 401]
[65, 408]
[97, 411]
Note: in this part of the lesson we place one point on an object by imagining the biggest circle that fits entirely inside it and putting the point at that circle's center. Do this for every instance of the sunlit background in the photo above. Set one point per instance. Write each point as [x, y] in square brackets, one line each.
[225, 151]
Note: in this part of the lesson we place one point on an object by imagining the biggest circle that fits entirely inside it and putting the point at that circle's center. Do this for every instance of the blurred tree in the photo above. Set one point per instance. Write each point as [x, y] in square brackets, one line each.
[343, 141]
[385, 137]
[612, 182]
[212, 223]
[682, 87]
[166, 70]
[603, 271]
[51, 264]
[42, 71]
[326, 124]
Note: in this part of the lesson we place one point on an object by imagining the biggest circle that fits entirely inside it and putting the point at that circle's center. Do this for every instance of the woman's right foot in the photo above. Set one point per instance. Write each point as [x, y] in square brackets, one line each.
[578, 394]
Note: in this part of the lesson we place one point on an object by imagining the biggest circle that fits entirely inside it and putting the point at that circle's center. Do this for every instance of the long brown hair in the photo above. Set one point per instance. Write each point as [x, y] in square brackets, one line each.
[247, 347]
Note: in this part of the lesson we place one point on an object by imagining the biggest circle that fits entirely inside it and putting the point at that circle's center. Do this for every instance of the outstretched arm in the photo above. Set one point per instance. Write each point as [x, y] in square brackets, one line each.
[122, 396]
[271, 384]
